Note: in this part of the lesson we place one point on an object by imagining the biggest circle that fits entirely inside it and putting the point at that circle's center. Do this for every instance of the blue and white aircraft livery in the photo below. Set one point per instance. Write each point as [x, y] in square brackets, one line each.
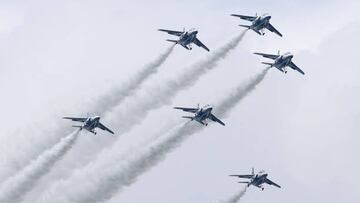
[257, 179]
[202, 115]
[186, 38]
[89, 123]
[281, 61]
[258, 23]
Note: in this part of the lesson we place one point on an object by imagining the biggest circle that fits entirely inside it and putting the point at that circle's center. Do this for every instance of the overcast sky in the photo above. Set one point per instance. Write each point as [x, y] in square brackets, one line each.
[57, 56]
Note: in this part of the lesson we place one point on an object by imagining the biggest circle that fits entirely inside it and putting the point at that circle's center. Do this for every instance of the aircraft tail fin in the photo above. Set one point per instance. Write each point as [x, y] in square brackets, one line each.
[189, 117]
[246, 26]
[170, 40]
[252, 171]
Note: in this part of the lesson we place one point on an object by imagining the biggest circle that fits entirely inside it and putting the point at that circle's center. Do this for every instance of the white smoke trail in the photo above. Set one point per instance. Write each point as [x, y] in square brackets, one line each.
[236, 197]
[111, 174]
[107, 102]
[16, 187]
[103, 104]
[135, 108]
[239, 93]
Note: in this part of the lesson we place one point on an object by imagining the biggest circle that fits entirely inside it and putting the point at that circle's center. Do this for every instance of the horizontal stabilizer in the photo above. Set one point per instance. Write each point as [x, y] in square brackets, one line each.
[77, 126]
[266, 63]
[244, 182]
[246, 26]
[170, 40]
[189, 117]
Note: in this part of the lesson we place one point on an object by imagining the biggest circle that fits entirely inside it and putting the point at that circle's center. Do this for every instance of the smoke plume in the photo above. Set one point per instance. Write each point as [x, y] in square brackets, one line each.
[236, 197]
[103, 104]
[135, 108]
[107, 102]
[110, 174]
[15, 187]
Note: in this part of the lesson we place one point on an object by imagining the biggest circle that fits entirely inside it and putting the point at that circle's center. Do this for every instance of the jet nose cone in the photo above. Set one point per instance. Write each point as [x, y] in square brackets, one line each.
[196, 32]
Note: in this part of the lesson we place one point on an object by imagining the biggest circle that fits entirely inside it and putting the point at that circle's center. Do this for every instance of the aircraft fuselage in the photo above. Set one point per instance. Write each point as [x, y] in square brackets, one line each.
[91, 123]
[203, 114]
[283, 61]
[260, 23]
[258, 180]
[187, 38]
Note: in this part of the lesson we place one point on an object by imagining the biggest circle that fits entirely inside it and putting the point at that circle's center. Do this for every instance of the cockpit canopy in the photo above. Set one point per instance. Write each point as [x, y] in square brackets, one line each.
[266, 15]
[207, 106]
[192, 30]
[288, 54]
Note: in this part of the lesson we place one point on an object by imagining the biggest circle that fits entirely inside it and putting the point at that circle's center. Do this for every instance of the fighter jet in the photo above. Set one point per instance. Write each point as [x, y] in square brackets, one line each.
[257, 179]
[281, 61]
[258, 23]
[201, 114]
[186, 38]
[89, 124]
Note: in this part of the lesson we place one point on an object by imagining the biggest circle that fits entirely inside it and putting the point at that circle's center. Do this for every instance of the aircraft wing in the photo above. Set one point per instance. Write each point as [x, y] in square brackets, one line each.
[270, 56]
[271, 183]
[75, 119]
[213, 118]
[200, 44]
[272, 29]
[172, 32]
[192, 110]
[243, 176]
[102, 127]
[293, 66]
[248, 18]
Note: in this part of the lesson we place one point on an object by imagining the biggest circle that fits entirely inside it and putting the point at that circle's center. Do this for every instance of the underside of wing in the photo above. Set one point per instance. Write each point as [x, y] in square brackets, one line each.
[102, 127]
[243, 176]
[200, 44]
[272, 29]
[293, 66]
[248, 18]
[172, 32]
[213, 118]
[270, 56]
[192, 110]
[272, 183]
[76, 119]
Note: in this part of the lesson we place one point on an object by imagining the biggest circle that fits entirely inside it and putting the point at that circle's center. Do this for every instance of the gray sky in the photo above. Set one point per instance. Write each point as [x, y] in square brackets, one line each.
[55, 56]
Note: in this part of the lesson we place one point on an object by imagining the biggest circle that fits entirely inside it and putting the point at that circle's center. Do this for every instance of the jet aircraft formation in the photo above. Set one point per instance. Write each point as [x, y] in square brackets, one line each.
[203, 114]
